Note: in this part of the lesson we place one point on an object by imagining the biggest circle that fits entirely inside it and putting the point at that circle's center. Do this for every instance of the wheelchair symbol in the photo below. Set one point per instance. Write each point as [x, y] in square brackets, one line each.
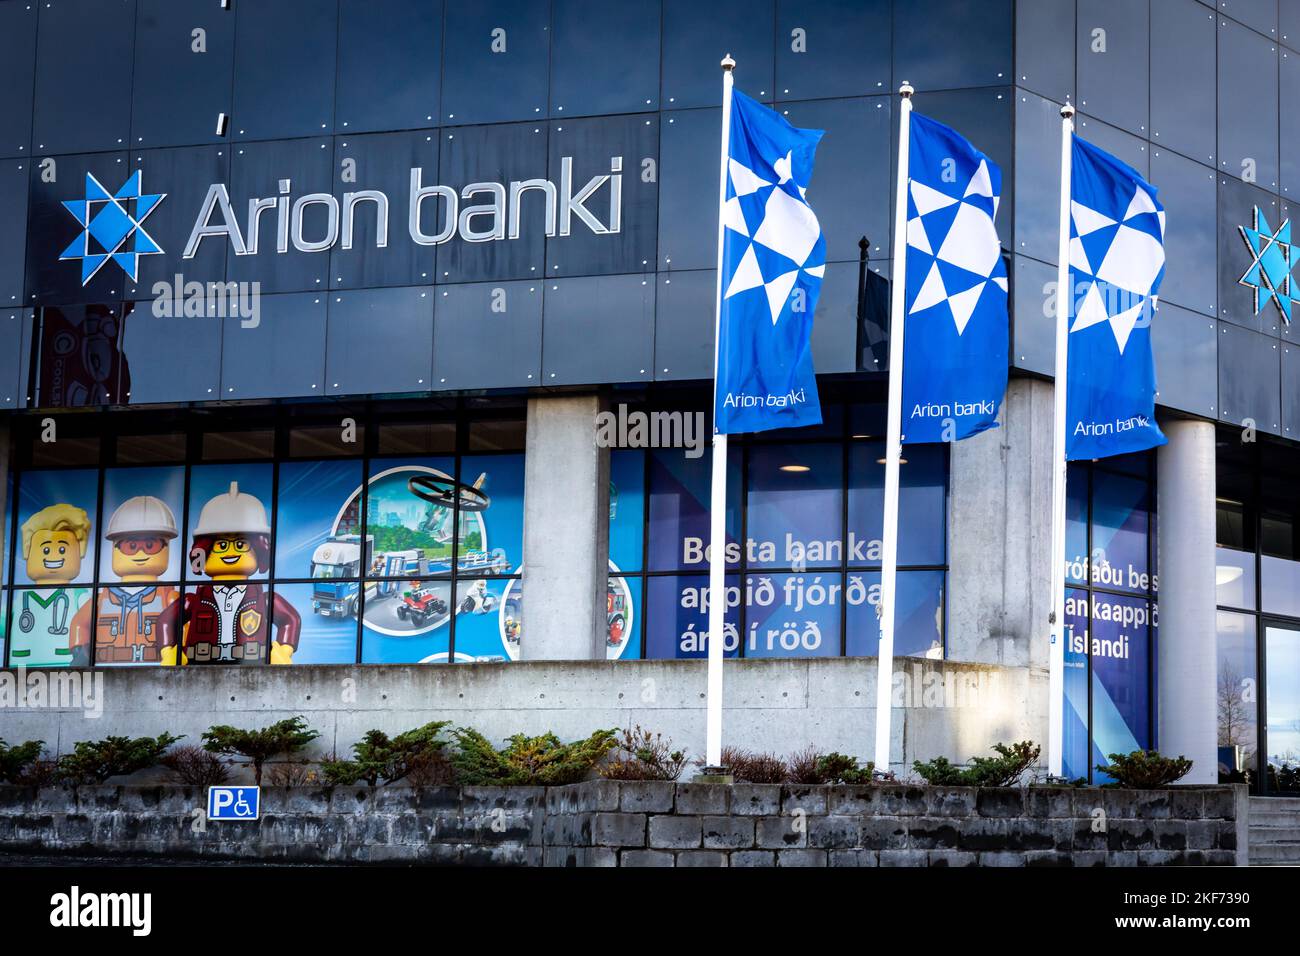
[233, 803]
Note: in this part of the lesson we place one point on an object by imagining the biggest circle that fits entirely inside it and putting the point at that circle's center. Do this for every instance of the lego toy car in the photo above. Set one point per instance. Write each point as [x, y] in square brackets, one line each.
[419, 605]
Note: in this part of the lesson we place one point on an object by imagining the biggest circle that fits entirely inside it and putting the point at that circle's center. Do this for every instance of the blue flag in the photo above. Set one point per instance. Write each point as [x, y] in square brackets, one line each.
[773, 260]
[955, 349]
[1117, 259]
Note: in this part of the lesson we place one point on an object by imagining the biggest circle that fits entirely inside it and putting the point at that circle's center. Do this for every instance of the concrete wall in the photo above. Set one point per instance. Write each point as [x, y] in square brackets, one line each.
[943, 708]
[999, 535]
[566, 531]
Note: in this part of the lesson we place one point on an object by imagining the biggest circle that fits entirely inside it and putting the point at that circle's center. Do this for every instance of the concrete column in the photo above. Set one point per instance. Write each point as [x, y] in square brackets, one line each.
[566, 531]
[999, 534]
[1186, 657]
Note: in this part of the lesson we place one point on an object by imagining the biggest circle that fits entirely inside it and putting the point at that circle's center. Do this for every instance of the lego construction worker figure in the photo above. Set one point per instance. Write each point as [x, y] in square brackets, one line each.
[53, 545]
[126, 623]
[228, 621]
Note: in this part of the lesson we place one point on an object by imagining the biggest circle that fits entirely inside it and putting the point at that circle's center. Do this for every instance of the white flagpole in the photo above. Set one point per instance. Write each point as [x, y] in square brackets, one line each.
[1056, 617]
[718, 493]
[893, 442]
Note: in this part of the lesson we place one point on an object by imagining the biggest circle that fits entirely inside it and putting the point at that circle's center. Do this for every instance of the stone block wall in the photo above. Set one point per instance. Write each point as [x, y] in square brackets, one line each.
[613, 823]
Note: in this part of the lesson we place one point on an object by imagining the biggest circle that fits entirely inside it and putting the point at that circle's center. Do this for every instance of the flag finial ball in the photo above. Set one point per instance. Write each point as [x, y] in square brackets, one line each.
[1067, 111]
[906, 90]
[728, 64]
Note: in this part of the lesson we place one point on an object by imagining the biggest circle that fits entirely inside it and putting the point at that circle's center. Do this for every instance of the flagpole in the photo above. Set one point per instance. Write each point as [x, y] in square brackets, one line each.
[893, 442]
[1056, 617]
[718, 491]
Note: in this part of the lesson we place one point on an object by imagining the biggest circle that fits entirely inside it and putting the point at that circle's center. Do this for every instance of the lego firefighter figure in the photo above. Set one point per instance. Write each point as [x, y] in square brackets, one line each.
[226, 622]
[126, 626]
[54, 544]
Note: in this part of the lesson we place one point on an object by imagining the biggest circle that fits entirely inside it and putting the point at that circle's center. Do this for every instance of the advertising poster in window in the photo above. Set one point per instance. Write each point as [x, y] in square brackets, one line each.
[918, 620]
[1075, 747]
[57, 511]
[1121, 513]
[793, 615]
[922, 501]
[1121, 704]
[622, 612]
[679, 510]
[318, 538]
[491, 545]
[677, 625]
[140, 562]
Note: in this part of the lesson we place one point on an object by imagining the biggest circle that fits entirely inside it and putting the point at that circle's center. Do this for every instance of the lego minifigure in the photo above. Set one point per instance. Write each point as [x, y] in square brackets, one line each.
[53, 545]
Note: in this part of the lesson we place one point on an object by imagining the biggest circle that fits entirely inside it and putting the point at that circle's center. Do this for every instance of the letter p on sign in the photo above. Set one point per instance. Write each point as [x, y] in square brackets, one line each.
[234, 803]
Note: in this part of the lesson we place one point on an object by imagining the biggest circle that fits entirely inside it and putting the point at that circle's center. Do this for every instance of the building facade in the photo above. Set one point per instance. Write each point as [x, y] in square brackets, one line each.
[362, 281]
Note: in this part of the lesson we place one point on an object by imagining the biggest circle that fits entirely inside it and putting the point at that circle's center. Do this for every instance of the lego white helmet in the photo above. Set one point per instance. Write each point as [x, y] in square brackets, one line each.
[141, 515]
[233, 512]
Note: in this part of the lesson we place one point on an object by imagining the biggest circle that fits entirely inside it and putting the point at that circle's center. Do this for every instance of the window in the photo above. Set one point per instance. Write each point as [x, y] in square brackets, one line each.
[403, 546]
[803, 543]
[1111, 611]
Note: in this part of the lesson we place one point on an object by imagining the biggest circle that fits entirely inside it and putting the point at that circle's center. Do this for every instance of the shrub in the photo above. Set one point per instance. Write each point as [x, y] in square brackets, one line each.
[15, 760]
[841, 768]
[1146, 769]
[380, 757]
[196, 767]
[294, 773]
[749, 767]
[644, 756]
[287, 736]
[527, 761]
[1004, 770]
[39, 773]
[801, 766]
[97, 760]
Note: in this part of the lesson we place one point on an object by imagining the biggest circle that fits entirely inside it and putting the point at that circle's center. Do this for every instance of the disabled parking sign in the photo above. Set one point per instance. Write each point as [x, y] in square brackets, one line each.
[234, 803]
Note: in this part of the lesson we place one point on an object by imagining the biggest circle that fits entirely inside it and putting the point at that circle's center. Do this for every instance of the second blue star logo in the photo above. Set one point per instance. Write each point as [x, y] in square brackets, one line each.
[1269, 275]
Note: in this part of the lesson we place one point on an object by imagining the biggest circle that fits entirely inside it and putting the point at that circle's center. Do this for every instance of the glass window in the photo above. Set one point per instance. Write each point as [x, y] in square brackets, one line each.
[575, 326]
[381, 162]
[1248, 73]
[918, 619]
[793, 615]
[1121, 519]
[254, 443]
[624, 609]
[142, 518]
[285, 69]
[406, 622]
[795, 503]
[691, 54]
[230, 523]
[677, 620]
[1182, 79]
[182, 80]
[1113, 43]
[347, 437]
[827, 48]
[50, 627]
[17, 74]
[599, 147]
[1075, 748]
[678, 524]
[1119, 635]
[1236, 696]
[626, 509]
[65, 121]
[1234, 574]
[490, 525]
[954, 44]
[1280, 586]
[318, 530]
[688, 202]
[488, 622]
[126, 623]
[389, 64]
[325, 636]
[922, 500]
[604, 57]
[495, 70]
[493, 154]
[850, 188]
[411, 511]
[57, 513]
[13, 230]
[257, 171]
[144, 449]
[507, 434]
[417, 438]
[1282, 697]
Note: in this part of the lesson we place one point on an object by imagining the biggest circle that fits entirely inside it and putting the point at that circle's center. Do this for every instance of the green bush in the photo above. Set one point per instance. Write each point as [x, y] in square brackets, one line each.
[1004, 770]
[1146, 769]
[841, 768]
[283, 737]
[527, 761]
[15, 760]
[380, 757]
[643, 756]
[94, 761]
[196, 767]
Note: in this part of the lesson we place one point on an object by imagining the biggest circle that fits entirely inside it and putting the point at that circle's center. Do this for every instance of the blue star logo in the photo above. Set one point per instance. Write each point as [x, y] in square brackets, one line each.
[1269, 274]
[111, 227]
